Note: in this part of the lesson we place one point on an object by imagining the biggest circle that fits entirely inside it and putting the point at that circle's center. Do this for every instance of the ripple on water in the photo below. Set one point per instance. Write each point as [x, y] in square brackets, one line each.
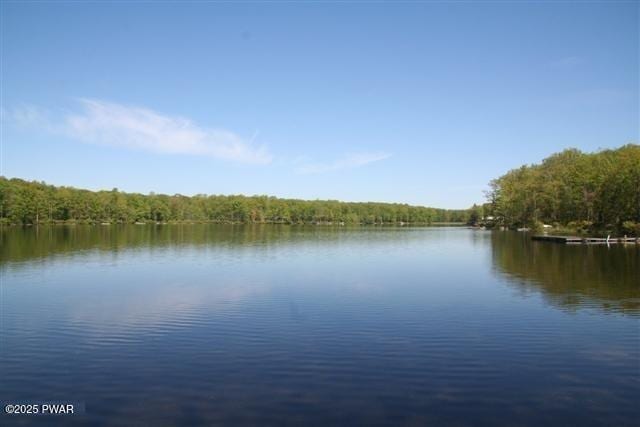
[326, 327]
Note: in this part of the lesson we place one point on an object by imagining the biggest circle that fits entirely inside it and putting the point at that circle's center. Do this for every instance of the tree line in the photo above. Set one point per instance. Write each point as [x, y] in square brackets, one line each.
[24, 202]
[580, 191]
[583, 191]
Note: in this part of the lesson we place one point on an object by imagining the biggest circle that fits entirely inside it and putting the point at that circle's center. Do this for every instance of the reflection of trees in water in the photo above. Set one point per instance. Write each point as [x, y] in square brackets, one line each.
[572, 276]
[26, 243]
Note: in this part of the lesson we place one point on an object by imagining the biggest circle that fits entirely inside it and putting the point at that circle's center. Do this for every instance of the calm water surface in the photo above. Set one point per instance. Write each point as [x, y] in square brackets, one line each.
[292, 325]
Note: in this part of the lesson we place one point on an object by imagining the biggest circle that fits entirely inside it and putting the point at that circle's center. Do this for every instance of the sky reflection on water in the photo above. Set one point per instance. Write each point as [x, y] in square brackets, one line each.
[206, 324]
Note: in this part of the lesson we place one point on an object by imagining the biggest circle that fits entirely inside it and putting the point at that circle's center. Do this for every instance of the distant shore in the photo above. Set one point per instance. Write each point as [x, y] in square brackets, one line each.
[32, 202]
[93, 223]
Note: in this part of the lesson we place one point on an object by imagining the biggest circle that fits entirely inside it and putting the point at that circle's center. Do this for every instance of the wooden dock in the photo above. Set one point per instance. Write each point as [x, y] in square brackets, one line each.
[585, 240]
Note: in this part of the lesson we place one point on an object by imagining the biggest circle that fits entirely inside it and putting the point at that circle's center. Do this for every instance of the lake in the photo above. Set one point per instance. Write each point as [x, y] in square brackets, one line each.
[300, 325]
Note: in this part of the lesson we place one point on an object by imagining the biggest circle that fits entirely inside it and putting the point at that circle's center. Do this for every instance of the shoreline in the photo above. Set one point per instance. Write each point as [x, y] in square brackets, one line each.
[322, 224]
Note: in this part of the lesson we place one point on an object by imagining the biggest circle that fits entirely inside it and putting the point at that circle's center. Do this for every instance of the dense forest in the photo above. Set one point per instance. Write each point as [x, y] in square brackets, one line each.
[581, 191]
[23, 202]
[578, 191]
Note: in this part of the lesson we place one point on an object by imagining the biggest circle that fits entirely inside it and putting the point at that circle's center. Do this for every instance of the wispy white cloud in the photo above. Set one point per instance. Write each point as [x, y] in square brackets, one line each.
[108, 123]
[348, 161]
[139, 128]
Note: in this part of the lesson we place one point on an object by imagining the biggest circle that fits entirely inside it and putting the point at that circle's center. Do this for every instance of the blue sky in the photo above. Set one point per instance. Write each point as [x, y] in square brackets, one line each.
[420, 103]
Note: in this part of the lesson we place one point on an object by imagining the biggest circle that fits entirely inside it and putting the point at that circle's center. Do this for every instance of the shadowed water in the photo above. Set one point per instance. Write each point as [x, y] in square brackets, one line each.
[292, 325]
